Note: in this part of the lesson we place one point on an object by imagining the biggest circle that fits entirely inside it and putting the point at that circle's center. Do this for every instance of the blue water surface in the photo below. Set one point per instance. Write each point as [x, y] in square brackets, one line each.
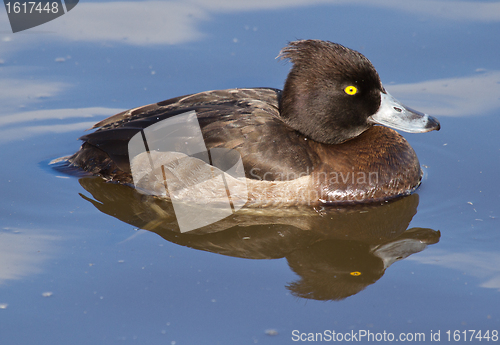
[70, 274]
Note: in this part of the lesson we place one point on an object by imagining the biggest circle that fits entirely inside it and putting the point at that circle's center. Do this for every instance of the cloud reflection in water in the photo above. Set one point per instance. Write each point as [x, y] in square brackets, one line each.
[23, 252]
[174, 22]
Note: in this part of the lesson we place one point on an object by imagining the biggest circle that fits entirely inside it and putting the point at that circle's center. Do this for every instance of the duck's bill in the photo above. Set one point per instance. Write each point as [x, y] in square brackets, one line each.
[395, 115]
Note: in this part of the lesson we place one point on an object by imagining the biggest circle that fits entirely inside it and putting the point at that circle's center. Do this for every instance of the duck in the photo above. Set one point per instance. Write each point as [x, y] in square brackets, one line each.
[328, 137]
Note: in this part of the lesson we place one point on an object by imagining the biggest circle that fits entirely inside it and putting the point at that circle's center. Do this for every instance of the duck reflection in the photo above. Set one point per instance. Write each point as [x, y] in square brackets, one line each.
[336, 252]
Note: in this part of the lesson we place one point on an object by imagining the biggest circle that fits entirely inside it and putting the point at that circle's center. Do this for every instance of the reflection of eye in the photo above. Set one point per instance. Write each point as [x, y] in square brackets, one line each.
[351, 90]
[355, 273]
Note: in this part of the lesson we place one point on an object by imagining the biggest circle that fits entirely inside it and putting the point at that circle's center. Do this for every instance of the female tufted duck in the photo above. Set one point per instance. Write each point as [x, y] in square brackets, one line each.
[315, 142]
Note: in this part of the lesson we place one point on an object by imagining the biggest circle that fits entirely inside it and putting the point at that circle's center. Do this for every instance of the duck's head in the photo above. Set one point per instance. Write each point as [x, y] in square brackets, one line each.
[333, 94]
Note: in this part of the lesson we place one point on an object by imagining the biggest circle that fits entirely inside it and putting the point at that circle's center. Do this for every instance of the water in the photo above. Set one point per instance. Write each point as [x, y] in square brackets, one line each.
[77, 265]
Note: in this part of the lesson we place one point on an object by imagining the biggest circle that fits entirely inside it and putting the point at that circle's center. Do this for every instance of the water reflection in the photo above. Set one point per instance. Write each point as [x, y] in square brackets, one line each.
[19, 93]
[156, 23]
[171, 22]
[336, 252]
[484, 265]
[23, 252]
[22, 125]
[466, 96]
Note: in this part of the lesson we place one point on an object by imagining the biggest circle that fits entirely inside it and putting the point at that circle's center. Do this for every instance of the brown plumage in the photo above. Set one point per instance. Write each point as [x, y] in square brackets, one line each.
[312, 143]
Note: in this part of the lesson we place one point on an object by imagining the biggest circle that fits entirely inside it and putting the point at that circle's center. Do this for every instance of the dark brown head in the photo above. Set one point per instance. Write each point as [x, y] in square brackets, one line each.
[333, 94]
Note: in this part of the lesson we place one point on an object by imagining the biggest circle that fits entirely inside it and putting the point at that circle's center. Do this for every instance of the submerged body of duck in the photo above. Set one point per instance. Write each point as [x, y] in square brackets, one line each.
[314, 142]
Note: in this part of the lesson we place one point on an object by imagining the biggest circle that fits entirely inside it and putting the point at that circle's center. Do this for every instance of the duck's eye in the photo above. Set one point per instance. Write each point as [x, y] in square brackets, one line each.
[351, 90]
[355, 273]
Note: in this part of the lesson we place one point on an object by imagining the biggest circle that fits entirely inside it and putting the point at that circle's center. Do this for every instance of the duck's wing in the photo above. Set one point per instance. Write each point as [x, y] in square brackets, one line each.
[246, 120]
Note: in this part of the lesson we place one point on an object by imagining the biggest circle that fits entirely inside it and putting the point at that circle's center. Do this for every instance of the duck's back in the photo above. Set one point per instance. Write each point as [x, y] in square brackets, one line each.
[242, 119]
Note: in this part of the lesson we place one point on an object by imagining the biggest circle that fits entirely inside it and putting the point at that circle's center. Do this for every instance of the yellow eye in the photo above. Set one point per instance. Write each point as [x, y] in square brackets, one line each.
[351, 90]
[355, 273]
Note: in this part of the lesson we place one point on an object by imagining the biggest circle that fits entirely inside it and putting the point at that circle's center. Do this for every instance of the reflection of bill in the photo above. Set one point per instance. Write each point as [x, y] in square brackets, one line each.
[169, 158]
[25, 15]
